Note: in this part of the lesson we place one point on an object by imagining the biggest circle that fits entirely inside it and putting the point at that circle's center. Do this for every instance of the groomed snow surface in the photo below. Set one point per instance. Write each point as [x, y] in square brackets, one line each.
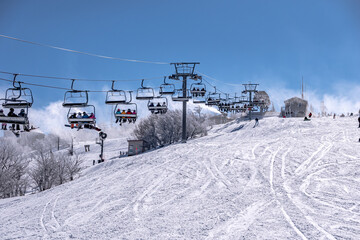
[285, 179]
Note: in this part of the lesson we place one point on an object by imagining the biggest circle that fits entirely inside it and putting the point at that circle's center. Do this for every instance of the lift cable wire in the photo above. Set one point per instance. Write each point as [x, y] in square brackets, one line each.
[210, 83]
[54, 87]
[80, 79]
[217, 81]
[79, 52]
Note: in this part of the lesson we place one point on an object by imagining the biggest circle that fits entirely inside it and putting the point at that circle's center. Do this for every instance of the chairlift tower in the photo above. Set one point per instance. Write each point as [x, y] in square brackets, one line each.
[184, 70]
[250, 88]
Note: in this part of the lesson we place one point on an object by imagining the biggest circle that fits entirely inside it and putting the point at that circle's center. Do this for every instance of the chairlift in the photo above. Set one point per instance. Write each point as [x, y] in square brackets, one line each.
[213, 99]
[145, 93]
[17, 119]
[198, 91]
[179, 95]
[75, 98]
[125, 112]
[115, 96]
[237, 107]
[82, 117]
[167, 88]
[158, 105]
[17, 96]
[225, 104]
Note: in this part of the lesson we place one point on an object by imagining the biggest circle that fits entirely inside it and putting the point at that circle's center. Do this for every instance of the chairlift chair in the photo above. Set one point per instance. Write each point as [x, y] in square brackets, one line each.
[77, 119]
[125, 112]
[167, 88]
[18, 120]
[75, 98]
[115, 96]
[179, 96]
[145, 93]
[158, 105]
[198, 89]
[213, 98]
[17, 96]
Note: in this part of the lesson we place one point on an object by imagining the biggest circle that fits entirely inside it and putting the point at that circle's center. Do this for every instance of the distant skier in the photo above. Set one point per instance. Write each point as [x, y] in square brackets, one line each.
[334, 115]
[306, 119]
[256, 122]
[359, 121]
[310, 114]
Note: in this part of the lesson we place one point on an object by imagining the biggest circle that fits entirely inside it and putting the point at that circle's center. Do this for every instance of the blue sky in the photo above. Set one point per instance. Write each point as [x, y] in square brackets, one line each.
[273, 43]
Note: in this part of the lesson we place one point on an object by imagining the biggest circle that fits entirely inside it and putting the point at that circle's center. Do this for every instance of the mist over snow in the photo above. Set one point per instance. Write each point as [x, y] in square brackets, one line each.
[344, 100]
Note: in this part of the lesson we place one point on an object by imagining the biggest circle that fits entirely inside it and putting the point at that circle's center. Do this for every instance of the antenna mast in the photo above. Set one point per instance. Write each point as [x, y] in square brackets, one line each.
[302, 87]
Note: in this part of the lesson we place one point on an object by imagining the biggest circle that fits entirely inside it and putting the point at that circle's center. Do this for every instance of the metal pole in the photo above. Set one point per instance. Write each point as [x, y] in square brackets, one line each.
[102, 150]
[251, 104]
[184, 111]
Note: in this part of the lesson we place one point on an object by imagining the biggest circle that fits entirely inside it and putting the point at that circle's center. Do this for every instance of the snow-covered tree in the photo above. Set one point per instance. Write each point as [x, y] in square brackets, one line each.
[73, 165]
[44, 172]
[165, 129]
[13, 168]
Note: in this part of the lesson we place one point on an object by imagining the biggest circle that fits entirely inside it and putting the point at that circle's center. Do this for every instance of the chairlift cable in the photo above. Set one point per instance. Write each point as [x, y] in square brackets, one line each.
[79, 79]
[47, 86]
[79, 52]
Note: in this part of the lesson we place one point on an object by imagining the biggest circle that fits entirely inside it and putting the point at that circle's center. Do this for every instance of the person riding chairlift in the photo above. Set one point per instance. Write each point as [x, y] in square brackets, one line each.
[3, 125]
[194, 90]
[22, 113]
[12, 114]
[85, 115]
[92, 116]
[117, 118]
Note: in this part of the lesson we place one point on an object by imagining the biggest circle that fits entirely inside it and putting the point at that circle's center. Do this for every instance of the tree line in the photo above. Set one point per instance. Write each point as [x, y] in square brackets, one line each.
[25, 169]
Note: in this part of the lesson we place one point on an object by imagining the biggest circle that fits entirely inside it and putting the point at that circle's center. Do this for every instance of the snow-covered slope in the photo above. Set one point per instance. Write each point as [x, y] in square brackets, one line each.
[286, 179]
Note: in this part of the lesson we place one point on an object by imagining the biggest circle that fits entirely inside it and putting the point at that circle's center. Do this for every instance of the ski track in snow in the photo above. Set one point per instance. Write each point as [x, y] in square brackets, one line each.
[285, 179]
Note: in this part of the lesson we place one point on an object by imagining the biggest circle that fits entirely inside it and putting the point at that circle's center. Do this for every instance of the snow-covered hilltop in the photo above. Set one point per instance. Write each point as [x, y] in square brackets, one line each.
[286, 179]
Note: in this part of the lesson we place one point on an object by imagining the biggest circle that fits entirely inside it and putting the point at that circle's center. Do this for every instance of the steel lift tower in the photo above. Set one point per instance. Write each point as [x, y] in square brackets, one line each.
[250, 88]
[184, 70]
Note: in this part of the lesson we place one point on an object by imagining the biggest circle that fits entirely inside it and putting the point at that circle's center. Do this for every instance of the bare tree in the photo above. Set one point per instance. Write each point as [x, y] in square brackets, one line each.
[73, 165]
[165, 129]
[13, 168]
[44, 172]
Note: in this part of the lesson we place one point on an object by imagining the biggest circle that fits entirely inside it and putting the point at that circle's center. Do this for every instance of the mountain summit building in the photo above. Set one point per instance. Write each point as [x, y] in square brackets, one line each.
[294, 107]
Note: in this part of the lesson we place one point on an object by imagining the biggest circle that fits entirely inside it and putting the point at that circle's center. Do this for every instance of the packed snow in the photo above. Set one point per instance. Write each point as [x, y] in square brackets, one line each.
[285, 179]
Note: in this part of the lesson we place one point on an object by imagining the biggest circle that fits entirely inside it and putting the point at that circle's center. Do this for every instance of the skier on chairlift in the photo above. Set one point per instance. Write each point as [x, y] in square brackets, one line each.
[22, 113]
[12, 114]
[85, 115]
[3, 125]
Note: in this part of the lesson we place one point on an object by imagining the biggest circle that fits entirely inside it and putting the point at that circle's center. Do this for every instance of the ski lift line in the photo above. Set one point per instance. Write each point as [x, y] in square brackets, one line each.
[46, 86]
[79, 52]
[80, 79]
[214, 80]
[214, 87]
